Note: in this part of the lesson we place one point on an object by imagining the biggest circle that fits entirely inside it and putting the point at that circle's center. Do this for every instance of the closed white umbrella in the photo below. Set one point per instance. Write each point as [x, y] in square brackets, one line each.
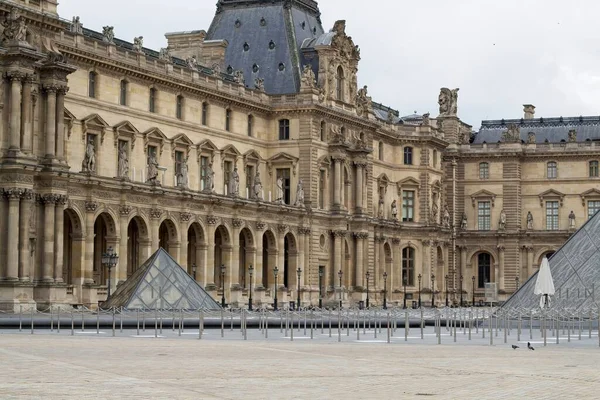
[544, 286]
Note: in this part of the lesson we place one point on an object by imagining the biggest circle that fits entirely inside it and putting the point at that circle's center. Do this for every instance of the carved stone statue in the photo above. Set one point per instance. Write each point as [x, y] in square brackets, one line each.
[77, 26]
[426, 121]
[529, 220]
[572, 220]
[434, 208]
[531, 138]
[381, 205]
[258, 187]
[572, 135]
[446, 217]
[192, 63]
[394, 210]
[363, 102]
[123, 171]
[182, 177]
[216, 69]
[259, 84]
[165, 55]
[138, 44]
[308, 77]
[108, 34]
[234, 183]
[502, 221]
[390, 117]
[279, 199]
[337, 137]
[512, 134]
[15, 29]
[299, 194]
[152, 170]
[463, 222]
[238, 77]
[209, 175]
[89, 160]
[448, 102]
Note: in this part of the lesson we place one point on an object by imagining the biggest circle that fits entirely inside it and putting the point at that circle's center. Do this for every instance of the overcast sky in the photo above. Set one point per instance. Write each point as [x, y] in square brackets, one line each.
[501, 53]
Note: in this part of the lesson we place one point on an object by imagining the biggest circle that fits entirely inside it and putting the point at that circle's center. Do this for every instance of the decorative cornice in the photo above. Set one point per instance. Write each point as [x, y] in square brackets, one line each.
[361, 235]
[282, 228]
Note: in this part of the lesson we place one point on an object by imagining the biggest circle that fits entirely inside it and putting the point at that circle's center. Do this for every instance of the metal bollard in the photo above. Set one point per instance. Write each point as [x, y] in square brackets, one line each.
[470, 323]
[82, 321]
[312, 320]
[388, 328]
[454, 326]
[422, 324]
[406, 326]
[291, 328]
[58, 320]
[137, 315]
[222, 324]
[98, 322]
[113, 327]
[32, 309]
[330, 323]
[339, 326]
[155, 323]
[121, 320]
[72, 324]
[51, 320]
[20, 318]
[200, 323]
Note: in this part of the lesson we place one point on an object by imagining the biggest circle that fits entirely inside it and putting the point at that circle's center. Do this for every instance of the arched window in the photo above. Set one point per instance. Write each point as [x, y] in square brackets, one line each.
[408, 155]
[552, 170]
[408, 266]
[123, 94]
[152, 100]
[92, 84]
[284, 129]
[323, 131]
[204, 113]
[484, 170]
[179, 107]
[228, 120]
[593, 169]
[380, 151]
[484, 267]
[250, 125]
[340, 83]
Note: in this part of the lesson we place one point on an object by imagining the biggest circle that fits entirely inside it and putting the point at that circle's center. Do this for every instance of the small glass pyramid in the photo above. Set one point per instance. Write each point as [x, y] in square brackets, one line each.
[161, 284]
[575, 269]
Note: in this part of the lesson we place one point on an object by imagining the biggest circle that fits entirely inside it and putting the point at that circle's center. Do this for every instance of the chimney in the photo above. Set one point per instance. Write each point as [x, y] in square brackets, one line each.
[529, 111]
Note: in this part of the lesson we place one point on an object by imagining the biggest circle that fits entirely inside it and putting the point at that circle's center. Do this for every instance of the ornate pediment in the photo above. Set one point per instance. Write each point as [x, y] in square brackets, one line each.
[483, 195]
[230, 151]
[125, 129]
[344, 43]
[181, 140]
[590, 194]
[252, 156]
[410, 181]
[551, 194]
[282, 159]
[93, 124]
[157, 136]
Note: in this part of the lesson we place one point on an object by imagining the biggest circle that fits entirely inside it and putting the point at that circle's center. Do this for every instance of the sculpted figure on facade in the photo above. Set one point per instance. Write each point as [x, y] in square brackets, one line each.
[165, 55]
[234, 183]
[337, 137]
[216, 69]
[192, 63]
[89, 160]
[529, 220]
[152, 169]
[434, 208]
[446, 217]
[123, 169]
[238, 77]
[258, 187]
[381, 205]
[182, 177]
[502, 221]
[299, 194]
[279, 199]
[209, 182]
[138, 44]
[512, 134]
[77, 26]
[448, 102]
[572, 220]
[394, 210]
[463, 222]
[108, 34]
[363, 101]
[308, 77]
[572, 135]
[426, 120]
[15, 28]
[259, 84]
[531, 138]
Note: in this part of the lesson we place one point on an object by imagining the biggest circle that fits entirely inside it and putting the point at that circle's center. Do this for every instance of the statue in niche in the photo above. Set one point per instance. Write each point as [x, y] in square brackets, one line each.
[89, 160]
[394, 210]
[258, 187]
[15, 28]
[448, 102]
[572, 220]
[138, 44]
[308, 77]
[463, 222]
[572, 135]
[209, 182]
[381, 205]
[434, 208]
[77, 26]
[108, 34]
[299, 194]
[446, 217]
[123, 170]
[234, 183]
[279, 199]
[531, 138]
[192, 63]
[182, 177]
[529, 220]
[152, 169]
[502, 221]
[390, 117]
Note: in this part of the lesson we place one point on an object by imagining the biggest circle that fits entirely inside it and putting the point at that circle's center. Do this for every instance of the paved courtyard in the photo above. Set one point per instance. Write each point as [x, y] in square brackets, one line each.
[90, 366]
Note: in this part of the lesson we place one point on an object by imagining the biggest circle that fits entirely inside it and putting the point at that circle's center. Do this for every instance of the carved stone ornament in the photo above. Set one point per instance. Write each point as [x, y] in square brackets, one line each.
[108, 34]
[125, 210]
[572, 136]
[448, 102]
[13, 193]
[91, 206]
[512, 134]
[531, 138]
[304, 230]
[212, 220]
[339, 233]
[77, 26]
[138, 44]
[155, 213]
[308, 80]
[396, 240]
[260, 225]
[238, 77]
[237, 223]
[259, 84]
[15, 29]
[185, 217]
[363, 102]
[282, 228]
[192, 63]
[361, 235]
[165, 55]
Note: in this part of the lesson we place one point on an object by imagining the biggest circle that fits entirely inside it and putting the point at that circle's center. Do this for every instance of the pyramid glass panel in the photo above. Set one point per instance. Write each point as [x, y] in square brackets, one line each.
[161, 283]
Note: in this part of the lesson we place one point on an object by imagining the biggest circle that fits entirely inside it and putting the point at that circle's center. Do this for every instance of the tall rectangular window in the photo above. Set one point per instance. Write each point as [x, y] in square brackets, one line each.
[552, 215]
[203, 166]
[593, 169]
[179, 107]
[322, 189]
[92, 84]
[484, 263]
[250, 125]
[250, 178]
[284, 129]
[123, 97]
[284, 174]
[227, 169]
[204, 113]
[593, 207]
[152, 100]
[408, 205]
[484, 170]
[408, 156]
[179, 160]
[228, 120]
[552, 170]
[408, 266]
[484, 215]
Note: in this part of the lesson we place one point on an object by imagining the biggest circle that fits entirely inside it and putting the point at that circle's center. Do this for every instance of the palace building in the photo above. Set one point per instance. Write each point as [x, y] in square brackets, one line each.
[252, 155]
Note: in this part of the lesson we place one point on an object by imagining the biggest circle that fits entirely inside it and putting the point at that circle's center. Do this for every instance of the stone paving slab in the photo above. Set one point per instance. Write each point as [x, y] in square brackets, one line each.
[102, 367]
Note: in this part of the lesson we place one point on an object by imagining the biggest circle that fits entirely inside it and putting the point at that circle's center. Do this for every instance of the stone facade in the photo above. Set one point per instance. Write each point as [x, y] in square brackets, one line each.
[108, 144]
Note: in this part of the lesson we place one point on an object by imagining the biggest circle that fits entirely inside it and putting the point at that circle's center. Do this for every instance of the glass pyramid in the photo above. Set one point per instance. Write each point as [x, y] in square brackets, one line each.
[575, 270]
[160, 283]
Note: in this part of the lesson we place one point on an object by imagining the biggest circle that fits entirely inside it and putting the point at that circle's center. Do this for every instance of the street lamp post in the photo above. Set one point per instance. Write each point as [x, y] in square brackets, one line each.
[432, 290]
[109, 260]
[473, 300]
[385, 290]
[517, 282]
[299, 271]
[275, 272]
[404, 285]
[320, 288]
[340, 273]
[446, 290]
[250, 273]
[368, 274]
[419, 277]
[461, 292]
[223, 285]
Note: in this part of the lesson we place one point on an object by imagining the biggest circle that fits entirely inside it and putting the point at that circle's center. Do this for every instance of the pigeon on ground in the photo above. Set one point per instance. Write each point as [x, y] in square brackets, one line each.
[514, 346]
[529, 346]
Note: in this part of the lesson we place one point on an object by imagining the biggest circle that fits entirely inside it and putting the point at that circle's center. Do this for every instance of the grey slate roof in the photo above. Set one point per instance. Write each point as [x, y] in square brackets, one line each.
[551, 130]
[251, 26]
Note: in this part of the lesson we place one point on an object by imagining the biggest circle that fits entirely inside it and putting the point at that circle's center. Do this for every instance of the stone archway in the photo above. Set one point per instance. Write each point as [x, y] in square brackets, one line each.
[73, 248]
[168, 238]
[222, 256]
[195, 251]
[138, 241]
[104, 237]
[269, 258]
[290, 261]
[246, 253]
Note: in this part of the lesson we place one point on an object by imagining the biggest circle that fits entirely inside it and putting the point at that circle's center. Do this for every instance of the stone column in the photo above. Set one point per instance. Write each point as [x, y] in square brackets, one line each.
[359, 186]
[426, 279]
[49, 216]
[24, 258]
[463, 260]
[201, 263]
[300, 264]
[375, 270]
[394, 276]
[12, 243]
[360, 258]
[184, 221]
[15, 111]
[337, 255]
[258, 266]
[235, 258]
[155, 215]
[210, 240]
[60, 122]
[500, 272]
[50, 121]
[3, 238]
[280, 250]
[337, 181]
[27, 117]
[88, 267]
[121, 269]
[306, 256]
[59, 226]
[529, 261]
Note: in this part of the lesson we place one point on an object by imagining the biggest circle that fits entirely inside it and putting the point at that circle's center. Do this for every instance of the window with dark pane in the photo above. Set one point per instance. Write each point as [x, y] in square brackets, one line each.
[284, 174]
[284, 129]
